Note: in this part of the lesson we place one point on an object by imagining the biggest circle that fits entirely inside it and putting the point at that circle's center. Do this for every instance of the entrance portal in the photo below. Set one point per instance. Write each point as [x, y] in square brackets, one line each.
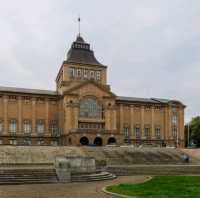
[84, 141]
[98, 141]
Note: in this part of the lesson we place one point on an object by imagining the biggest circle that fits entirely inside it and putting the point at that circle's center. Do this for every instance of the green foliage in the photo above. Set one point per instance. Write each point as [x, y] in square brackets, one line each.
[195, 130]
[162, 187]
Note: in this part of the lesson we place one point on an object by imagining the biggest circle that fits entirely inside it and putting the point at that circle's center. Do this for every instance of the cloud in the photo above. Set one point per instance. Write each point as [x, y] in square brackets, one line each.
[151, 47]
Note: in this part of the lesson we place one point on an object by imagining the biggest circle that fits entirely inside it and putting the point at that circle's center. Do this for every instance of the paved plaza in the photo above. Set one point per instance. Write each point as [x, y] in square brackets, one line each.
[70, 190]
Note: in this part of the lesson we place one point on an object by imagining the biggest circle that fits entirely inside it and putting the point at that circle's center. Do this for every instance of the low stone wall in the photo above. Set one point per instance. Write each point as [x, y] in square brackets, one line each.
[155, 170]
[35, 154]
[102, 155]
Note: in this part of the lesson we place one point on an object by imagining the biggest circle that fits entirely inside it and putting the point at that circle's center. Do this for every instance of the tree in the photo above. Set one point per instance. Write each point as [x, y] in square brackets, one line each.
[195, 130]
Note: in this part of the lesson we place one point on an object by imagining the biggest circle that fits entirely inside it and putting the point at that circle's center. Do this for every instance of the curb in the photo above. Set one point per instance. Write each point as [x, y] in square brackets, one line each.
[123, 196]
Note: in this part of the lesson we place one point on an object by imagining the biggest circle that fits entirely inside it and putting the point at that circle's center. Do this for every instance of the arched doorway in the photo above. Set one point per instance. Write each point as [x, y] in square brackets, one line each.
[84, 141]
[98, 141]
[111, 140]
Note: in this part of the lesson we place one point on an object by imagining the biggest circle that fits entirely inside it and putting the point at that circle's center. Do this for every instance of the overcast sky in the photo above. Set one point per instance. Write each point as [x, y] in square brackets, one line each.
[151, 47]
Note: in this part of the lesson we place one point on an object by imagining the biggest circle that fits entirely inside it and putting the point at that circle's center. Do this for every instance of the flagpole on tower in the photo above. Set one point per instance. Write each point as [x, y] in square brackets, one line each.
[79, 25]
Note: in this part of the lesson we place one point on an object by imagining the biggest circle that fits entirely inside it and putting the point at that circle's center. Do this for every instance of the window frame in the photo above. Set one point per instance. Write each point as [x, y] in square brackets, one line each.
[90, 108]
[13, 126]
[40, 123]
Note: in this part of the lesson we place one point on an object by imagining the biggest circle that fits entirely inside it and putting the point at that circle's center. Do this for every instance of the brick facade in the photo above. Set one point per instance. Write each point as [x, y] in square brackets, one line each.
[41, 117]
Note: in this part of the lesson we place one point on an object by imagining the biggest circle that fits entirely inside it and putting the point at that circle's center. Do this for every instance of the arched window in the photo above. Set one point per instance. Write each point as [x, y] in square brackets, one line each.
[89, 108]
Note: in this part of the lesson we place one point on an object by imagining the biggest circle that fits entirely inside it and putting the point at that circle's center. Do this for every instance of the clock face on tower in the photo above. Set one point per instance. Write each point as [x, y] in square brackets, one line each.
[83, 73]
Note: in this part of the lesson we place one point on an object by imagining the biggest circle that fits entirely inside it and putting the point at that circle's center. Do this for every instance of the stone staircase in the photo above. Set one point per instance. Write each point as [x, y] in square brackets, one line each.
[134, 156]
[92, 177]
[27, 176]
[39, 176]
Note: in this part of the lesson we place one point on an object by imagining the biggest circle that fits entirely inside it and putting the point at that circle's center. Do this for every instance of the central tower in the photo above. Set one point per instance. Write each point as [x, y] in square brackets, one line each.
[89, 110]
[80, 65]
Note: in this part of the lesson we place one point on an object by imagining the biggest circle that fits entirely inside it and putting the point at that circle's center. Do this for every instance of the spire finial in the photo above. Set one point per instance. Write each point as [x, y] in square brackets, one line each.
[79, 25]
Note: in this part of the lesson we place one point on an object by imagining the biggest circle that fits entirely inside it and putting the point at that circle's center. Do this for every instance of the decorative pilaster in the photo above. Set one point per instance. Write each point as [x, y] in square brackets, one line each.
[121, 118]
[20, 114]
[132, 121]
[5, 107]
[181, 123]
[114, 119]
[76, 115]
[152, 123]
[33, 116]
[165, 130]
[47, 116]
[107, 119]
[142, 121]
[170, 123]
[68, 117]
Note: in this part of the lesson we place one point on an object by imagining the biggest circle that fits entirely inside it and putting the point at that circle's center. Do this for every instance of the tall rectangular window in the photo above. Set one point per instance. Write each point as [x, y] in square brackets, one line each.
[85, 73]
[27, 126]
[147, 133]
[98, 75]
[126, 131]
[157, 132]
[53, 127]
[137, 132]
[40, 126]
[174, 132]
[13, 126]
[71, 72]
[174, 119]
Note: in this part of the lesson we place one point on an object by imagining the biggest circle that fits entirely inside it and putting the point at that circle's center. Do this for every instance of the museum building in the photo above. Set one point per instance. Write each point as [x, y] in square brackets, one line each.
[84, 111]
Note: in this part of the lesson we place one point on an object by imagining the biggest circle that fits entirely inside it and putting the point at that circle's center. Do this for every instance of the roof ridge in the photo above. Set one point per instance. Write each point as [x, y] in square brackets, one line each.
[27, 90]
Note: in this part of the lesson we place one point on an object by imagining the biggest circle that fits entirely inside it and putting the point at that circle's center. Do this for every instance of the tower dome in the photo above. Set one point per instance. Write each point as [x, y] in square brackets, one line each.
[81, 53]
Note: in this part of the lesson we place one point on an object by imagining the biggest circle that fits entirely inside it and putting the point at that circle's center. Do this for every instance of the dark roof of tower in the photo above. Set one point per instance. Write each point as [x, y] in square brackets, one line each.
[81, 53]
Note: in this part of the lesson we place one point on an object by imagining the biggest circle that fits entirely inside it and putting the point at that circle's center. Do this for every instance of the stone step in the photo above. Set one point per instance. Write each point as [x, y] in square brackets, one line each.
[20, 176]
[26, 176]
[131, 155]
[26, 172]
[93, 177]
[27, 182]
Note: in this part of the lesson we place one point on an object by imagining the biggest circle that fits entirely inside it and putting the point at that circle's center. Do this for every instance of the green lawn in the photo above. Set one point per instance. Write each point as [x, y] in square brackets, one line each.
[162, 187]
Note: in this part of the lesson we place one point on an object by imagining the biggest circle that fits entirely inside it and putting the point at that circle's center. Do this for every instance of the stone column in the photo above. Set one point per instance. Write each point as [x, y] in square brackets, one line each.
[107, 118]
[114, 119]
[142, 121]
[121, 118]
[132, 121]
[165, 129]
[170, 123]
[181, 123]
[20, 129]
[68, 120]
[47, 116]
[76, 115]
[33, 116]
[152, 123]
[5, 107]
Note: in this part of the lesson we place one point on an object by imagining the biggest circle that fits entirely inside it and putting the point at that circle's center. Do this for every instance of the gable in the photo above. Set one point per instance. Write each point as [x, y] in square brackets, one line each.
[90, 89]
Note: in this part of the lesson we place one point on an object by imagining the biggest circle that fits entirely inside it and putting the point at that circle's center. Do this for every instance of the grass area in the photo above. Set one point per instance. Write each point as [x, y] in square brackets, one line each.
[162, 187]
